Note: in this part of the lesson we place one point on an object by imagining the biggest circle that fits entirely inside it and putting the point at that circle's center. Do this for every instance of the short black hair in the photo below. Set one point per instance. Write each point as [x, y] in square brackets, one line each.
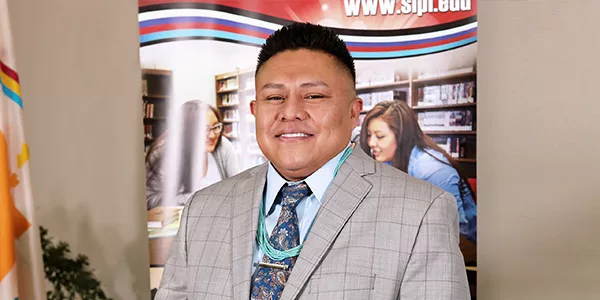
[306, 36]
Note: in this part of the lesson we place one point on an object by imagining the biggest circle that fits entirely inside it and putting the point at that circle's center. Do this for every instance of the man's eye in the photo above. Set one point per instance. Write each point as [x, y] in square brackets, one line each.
[315, 96]
[275, 98]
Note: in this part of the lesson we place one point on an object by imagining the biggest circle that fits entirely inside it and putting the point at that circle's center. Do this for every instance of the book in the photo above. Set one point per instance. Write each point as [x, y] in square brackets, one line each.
[162, 216]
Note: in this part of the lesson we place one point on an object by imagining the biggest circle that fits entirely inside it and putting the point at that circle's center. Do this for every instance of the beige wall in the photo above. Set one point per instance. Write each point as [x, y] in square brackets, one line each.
[539, 201]
[79, 67]
[539, 145]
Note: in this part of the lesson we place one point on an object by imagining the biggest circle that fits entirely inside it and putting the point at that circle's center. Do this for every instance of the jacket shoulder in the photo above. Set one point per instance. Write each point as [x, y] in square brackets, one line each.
[223, 190]
[397, 183]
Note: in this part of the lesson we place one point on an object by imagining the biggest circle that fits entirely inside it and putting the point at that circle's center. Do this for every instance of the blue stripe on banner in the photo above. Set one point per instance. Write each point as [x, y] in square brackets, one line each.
[407, 43]
[413, 52]
[200, 32]
[10, 94]
[183, 33]
[175, 20]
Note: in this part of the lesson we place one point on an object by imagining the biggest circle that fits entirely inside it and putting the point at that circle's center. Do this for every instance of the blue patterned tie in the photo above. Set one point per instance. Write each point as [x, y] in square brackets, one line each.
[269, 282]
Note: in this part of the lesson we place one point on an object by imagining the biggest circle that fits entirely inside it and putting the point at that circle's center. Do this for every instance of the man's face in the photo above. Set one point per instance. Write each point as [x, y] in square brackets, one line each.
[305, 111]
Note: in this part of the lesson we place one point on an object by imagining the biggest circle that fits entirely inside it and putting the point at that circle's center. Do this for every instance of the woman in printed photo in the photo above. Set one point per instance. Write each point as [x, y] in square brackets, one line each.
[217, 155]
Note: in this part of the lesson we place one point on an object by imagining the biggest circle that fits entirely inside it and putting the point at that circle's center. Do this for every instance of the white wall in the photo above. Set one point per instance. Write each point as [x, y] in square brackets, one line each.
[539, 208]
[79, 67]
[195, 64]
[462, 57]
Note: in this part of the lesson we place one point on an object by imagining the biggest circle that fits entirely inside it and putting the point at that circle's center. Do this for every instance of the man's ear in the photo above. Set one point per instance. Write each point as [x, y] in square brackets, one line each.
[356, 108]
[253, 107]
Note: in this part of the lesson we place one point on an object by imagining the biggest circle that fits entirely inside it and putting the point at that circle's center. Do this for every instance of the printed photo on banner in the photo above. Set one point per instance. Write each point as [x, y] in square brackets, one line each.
[416, 72]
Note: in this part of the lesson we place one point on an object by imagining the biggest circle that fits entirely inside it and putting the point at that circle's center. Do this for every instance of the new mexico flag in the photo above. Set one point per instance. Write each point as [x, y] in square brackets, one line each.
[21, 266]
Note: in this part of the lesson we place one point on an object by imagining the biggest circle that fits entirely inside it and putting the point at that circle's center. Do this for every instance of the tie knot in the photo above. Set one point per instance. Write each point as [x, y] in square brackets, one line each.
[292, 194]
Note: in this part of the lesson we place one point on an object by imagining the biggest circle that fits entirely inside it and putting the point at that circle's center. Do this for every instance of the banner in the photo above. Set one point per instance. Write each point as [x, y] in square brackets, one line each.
[21, 266]
[418, 57]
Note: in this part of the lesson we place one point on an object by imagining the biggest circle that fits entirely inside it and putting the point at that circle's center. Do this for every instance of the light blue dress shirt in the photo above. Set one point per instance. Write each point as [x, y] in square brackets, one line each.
[308, 207]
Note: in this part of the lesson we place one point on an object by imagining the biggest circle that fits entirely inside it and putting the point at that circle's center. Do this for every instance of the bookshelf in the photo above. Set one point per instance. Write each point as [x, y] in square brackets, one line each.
[446, 105]
[447, 109]
[156, 95]
[234, 91]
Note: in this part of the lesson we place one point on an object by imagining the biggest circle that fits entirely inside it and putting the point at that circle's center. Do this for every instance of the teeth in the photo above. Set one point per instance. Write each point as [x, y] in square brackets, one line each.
[293, 135]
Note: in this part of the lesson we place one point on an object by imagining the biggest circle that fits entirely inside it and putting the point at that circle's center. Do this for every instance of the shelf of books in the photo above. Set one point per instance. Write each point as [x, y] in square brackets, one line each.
[234, 91]
[445, 104]
[156, 93]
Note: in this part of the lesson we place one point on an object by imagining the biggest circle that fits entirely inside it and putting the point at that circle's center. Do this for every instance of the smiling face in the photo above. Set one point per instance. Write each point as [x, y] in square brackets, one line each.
[213, 131]
[305, 111]
[381, 140]
[196, 116]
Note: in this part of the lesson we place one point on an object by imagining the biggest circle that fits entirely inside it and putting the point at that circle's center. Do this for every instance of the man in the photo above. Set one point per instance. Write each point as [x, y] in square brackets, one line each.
[321, 220]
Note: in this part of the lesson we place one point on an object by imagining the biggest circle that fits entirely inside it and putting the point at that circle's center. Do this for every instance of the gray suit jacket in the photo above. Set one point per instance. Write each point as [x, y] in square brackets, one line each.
[380, 234]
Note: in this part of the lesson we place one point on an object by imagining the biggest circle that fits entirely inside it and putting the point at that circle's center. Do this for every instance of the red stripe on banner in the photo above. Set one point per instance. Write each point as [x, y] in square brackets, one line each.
[410, 47]
[195, 25]
[9, 72]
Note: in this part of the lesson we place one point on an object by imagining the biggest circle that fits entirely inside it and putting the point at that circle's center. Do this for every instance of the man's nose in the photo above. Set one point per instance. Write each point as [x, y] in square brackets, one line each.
[293, 108]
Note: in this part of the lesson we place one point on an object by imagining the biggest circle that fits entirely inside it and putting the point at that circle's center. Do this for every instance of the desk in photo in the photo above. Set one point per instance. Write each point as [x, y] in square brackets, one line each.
[161, 239]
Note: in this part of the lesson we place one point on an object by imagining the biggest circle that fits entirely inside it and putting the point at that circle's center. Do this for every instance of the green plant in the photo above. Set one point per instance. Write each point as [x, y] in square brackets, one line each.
[71, 277]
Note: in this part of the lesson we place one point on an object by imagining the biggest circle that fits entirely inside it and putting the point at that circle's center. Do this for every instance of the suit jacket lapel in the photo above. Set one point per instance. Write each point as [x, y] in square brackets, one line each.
[343, 196]
[244, 222]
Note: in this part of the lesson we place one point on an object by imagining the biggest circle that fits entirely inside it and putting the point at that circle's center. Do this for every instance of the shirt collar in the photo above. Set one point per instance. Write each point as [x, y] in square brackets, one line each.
[317, 182]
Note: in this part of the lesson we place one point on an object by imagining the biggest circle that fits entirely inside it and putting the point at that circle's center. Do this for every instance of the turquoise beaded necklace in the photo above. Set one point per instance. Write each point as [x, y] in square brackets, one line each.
[263, 237]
